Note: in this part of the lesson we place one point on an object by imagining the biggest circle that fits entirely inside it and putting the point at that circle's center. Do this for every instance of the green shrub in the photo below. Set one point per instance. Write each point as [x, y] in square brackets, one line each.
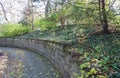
[10, 29]
[117, 21]
[44, 24]
[37, 23]
[49, 23]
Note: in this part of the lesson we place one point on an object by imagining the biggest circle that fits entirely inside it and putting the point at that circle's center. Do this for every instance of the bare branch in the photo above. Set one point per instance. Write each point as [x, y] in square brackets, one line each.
[4, 12]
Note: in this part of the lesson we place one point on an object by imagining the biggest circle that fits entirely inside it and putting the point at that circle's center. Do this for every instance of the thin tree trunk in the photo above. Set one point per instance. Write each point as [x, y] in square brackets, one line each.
[32, 15]
[56, 4]
[100, 11]
[104, 18]
[62, 18]
[47, 9]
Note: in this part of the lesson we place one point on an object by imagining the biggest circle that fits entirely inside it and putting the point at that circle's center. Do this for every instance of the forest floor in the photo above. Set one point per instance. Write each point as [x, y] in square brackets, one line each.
[100, 53]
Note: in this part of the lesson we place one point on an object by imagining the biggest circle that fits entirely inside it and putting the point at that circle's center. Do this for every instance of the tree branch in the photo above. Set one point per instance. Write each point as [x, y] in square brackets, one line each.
[4, 12]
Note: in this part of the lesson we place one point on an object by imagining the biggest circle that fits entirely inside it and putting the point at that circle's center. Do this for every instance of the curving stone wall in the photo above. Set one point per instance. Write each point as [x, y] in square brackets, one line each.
[54, 51]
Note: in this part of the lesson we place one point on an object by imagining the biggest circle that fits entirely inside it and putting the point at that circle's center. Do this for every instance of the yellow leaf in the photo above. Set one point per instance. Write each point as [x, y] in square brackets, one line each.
[100, 76]
[93, 71]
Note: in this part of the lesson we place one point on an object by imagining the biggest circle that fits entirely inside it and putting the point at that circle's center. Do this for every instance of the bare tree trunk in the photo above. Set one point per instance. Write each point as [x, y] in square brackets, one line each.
[62, 21]
[56, 3]
[62, 18]
[100, 10]
[32, 15]
[4, 12]
[104, 18]
[47, 9]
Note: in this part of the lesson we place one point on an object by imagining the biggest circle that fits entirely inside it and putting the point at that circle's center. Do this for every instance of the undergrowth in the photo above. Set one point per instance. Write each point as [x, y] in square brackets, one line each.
[100, 56]
[9, 30]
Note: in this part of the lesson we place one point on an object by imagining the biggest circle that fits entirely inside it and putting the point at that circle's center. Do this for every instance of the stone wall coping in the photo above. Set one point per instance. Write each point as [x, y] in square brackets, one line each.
[63, 43]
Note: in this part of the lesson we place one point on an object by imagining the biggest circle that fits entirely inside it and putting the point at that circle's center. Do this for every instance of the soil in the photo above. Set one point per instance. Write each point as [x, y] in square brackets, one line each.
[3, 62]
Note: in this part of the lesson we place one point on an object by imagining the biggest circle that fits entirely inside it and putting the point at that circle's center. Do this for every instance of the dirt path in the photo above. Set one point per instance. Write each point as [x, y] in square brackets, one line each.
[3, 64]
[20, 63]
